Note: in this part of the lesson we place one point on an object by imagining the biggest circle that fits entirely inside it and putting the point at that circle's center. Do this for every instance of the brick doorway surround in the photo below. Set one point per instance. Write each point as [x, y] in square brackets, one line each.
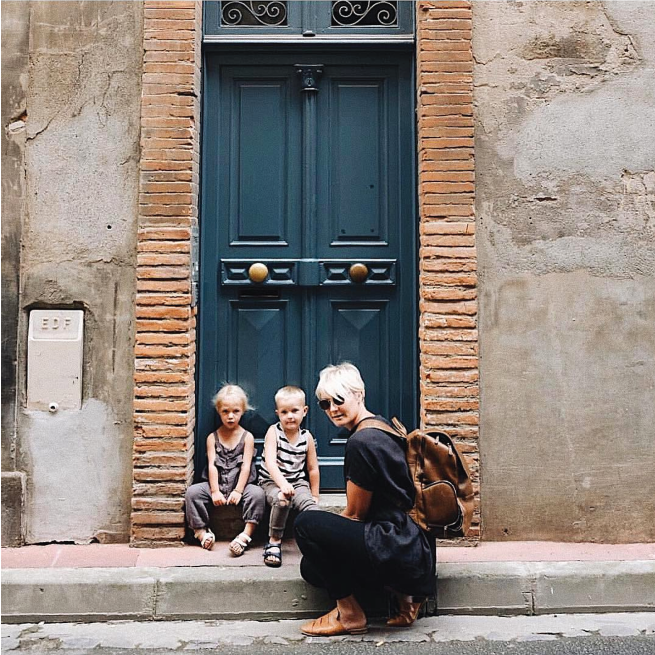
[165, 346]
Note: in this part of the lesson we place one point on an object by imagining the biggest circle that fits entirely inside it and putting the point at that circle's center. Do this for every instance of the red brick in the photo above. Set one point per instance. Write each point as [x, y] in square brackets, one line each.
[438, 321]
[161, 259]
[468, 307]
[154, 503]
[151, 15]
[153, 474]
[158, 518]
[164, 234]
[162, 299]
[452, 375]
[448, 335]
[163, 351]
[161, 459]
[447, 252]
[446, 227]
[449, 348]
[434, 279]
[451, 405]
[175, 418]
[163, 326]
[162, 312]
[448, 293]
[178, 364]
[153, 391]
[156, 431]
[448, 265]
[150, 445]
[157, 536]
[449, 392]
[174, 489]
[453, 418]
[438, 240]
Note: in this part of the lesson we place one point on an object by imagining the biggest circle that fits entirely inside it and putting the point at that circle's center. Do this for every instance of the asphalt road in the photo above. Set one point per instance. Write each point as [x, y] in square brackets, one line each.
[592, 645]
[555, 634]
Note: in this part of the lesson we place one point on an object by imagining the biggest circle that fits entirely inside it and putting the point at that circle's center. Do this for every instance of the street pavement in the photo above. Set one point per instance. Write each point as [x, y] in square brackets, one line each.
[66, 583]
[574, 634]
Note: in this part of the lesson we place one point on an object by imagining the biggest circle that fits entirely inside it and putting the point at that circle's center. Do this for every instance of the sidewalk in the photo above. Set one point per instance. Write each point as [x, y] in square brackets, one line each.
[107, 582]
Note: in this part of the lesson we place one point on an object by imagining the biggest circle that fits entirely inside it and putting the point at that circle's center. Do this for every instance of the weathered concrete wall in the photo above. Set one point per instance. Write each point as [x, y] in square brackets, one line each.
[79, 250]
[565, 173]
[14, 78]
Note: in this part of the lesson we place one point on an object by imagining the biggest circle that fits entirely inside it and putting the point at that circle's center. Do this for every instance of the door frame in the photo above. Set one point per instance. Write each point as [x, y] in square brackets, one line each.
[208, 287]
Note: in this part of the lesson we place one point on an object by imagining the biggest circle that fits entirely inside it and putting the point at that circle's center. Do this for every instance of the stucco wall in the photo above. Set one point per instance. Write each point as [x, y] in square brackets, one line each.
[79, 250]
[565, 203]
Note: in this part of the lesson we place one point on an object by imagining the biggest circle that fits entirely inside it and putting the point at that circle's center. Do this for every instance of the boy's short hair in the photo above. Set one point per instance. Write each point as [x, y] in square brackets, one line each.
[231, 391]
[290, 393]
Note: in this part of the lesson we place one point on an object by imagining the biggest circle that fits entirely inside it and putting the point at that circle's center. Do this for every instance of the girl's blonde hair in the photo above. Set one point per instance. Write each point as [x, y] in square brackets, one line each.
[231, 391]
[340, 381]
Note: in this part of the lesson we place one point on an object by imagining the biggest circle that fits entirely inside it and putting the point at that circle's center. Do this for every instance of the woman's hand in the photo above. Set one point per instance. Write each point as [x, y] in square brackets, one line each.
[218, 498]
[234, 498]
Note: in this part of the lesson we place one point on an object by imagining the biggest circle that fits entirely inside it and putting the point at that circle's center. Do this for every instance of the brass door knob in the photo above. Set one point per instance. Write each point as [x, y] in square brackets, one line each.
[258, 272]
[358, 273]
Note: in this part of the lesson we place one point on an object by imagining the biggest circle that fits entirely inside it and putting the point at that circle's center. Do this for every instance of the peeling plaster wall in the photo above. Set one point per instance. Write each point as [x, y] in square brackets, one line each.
[565, 205]
[79, 250]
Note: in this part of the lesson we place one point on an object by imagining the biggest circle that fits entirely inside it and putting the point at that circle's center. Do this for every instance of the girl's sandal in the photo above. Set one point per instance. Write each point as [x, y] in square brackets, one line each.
[273, 555]
[205, 537]
[239, 544]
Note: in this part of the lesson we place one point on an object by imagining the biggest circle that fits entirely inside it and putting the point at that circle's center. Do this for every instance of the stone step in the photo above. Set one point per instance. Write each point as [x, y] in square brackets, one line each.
[226, 522]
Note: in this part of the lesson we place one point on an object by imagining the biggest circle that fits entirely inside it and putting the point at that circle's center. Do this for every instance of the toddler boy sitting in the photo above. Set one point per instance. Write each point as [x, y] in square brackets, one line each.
[289, 451]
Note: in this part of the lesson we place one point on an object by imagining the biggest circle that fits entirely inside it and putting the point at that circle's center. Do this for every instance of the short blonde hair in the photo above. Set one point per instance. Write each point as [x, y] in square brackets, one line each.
[340, 381]
[290, 393]
[231, 391]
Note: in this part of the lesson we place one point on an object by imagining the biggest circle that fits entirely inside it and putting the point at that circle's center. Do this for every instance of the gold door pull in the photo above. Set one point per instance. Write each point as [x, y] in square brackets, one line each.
[358, 273]
[258, 272]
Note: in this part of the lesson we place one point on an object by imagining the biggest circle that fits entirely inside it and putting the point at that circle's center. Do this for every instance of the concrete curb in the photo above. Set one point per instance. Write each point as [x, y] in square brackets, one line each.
[260, 593]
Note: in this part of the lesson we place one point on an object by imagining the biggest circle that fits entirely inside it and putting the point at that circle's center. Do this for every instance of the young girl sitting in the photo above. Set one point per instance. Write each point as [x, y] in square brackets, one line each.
[229, 475]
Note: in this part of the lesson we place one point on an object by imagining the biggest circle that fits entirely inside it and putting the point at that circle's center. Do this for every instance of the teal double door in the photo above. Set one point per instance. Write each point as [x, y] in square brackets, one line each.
[308, 234]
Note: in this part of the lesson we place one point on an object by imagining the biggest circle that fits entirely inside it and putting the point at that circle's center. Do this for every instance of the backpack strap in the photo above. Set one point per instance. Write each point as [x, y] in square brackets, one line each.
[397, 430]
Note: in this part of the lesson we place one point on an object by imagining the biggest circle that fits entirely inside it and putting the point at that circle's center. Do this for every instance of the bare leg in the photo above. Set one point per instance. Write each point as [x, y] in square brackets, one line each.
[351, 613]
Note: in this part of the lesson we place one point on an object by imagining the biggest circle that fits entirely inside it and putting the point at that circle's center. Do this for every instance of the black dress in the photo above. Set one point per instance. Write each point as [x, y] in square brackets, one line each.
[400, 552]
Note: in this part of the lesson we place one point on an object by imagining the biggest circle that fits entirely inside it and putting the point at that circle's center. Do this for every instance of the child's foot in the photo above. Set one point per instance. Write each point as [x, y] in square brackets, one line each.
[273, 555]
[239, 544]
[205, 537]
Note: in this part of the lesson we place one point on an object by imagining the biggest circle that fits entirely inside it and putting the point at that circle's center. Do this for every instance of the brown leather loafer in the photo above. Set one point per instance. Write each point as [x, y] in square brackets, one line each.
[329, 625]
[407, 615]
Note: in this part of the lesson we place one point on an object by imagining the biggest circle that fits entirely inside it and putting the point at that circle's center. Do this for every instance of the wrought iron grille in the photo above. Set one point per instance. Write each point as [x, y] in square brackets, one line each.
[254, 13]
[379, 13]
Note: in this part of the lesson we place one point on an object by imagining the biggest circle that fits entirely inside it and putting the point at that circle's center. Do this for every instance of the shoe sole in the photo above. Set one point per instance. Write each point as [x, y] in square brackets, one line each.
[356, 631]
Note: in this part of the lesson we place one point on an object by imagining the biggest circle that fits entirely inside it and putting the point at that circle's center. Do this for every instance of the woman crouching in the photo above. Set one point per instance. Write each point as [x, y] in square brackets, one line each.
[373, 542]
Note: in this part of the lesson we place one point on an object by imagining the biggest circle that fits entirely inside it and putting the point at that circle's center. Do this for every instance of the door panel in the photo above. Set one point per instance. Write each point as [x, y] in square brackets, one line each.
[308, 177]
[264, 352]
[259, 158]
[357, 161]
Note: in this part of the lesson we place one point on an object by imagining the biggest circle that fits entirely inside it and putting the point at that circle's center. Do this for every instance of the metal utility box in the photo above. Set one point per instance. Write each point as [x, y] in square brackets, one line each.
[54, 359]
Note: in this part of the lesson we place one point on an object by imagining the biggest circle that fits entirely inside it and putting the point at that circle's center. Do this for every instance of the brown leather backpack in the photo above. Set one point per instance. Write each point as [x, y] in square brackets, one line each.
[444, 493]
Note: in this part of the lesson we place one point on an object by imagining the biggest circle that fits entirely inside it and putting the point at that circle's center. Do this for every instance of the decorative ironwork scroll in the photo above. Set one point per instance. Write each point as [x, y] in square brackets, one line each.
[377, 13]
[253, 13]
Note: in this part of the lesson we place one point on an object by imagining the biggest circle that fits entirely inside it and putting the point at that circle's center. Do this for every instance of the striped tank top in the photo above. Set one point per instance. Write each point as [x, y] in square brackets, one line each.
[291, 458]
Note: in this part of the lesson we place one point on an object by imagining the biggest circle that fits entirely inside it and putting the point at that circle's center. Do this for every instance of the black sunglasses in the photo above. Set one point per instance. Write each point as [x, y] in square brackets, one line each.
[325, 403]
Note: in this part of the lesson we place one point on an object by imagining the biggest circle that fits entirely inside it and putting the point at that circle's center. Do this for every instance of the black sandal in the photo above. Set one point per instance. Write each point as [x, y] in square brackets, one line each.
[273, 555]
